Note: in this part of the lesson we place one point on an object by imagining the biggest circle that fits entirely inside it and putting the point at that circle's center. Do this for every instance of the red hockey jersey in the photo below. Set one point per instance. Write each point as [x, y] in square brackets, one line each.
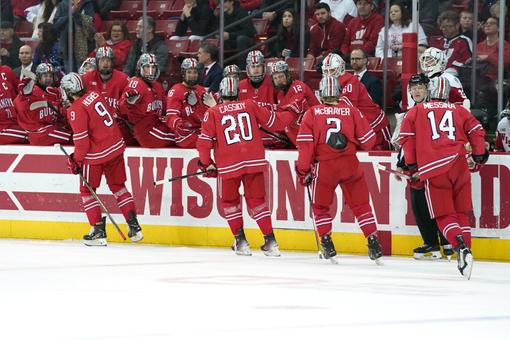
[458, 49]
[363, 33]
[7, 110]
[433, 136]
[358, 95]
[264, 95]
[298, 92]
[9, 78]
[326, 38]
[97, 138]
[232, 130]
[186, 103]
[36, 111]
[149, 104]
[320, 122]
[112, 89]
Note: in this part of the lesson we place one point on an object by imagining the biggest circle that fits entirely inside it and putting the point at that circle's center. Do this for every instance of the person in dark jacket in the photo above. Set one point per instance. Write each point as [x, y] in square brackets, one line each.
[359, 63]
[198, 17]
[287, 42]
[210, 72]
[155, 45]
[6, 9]
[9, 45]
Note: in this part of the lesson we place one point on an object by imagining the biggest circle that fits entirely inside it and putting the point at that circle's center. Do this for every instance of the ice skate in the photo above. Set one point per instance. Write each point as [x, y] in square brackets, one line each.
[464, 258]
[448, 251]
[96, 235]
[270, 247]
[329, 252]
[134, 229]
[241, 245]
[374, 249]
[427, 252]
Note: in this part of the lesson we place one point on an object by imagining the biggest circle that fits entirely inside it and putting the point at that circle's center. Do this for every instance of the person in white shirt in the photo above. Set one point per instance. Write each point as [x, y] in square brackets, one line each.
[400, 23]
[342, 8]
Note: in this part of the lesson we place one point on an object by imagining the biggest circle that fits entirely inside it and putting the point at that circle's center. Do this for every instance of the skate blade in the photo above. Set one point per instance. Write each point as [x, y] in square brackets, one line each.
[333, 260]
[96, 243]
[137, 237]
[469, 267]
[379, 262]
[432, 256]
[243, 253]
[272, 253]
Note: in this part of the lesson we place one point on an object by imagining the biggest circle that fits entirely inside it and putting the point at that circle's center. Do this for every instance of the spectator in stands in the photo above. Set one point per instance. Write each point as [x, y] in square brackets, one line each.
[326, 35]
[457, 47]
[400, 22]
[287, 41]
[488, 50]
[342, 10]
[363, 30]
[211, 73]
[103, 7]
[467, 24]
[428, 11]
[118, 40]
[47, 50]
[373, 85]
[155, 45]
[25, 57]
[494, 12]
[274, 15]
[6, 10]
[83, 31]
[239, 37]
[18, 9]
[46, 14]
[9, 45]
[198, 17]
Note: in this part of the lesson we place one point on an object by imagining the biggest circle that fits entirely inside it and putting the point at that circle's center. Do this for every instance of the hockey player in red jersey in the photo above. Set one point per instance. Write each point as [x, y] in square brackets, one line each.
[433, 136]
[8, 75]
[38, 105]
[185, 107]
[293, 96]
[231, 129]
[144, 103]
[355, 91]
[111, 83]
[99, 149]
[328, 138]
[10, 132]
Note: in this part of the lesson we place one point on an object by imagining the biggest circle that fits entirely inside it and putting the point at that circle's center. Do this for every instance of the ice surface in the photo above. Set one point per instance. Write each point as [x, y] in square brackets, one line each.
[64, 290]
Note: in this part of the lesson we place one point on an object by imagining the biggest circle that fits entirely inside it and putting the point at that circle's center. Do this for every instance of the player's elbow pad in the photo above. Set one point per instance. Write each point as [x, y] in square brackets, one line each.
[466, 103]
[481, 159]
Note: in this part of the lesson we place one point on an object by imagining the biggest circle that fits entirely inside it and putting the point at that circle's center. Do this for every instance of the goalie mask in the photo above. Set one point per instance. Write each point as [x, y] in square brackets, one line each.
[333, 65]
[329, 88]
[45, 75]
[72, 84]
[189, 71]
[280, 75]
[433, 61]
[439, 88]
[229, 88]
[255, 66]
[232, 71]
[88, 65]
[147, 67]
[105, 67]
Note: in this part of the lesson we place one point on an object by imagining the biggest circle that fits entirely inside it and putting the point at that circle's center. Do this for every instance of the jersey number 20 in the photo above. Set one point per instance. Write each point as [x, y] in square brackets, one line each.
[237, 128]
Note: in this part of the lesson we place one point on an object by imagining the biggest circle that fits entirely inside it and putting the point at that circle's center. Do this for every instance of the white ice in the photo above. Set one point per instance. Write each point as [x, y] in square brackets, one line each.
[66, 291]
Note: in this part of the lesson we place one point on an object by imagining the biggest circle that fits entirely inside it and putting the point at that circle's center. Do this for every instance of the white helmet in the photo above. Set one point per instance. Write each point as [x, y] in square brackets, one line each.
[229, 87]
[104, 52]
[329, 87]
[88, 64]
[439, 88]
[333, 65]
[433, 61]
[255, 58]
[71, 84]
[148, 59]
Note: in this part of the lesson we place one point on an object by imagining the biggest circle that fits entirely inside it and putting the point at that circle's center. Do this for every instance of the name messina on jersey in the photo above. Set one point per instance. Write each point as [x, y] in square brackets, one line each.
[439, 105]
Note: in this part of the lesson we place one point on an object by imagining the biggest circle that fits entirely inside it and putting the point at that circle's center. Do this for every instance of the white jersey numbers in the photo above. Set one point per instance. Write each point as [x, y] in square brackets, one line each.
[237, 128]
[337, 126]
[103, 112]
[445, 125]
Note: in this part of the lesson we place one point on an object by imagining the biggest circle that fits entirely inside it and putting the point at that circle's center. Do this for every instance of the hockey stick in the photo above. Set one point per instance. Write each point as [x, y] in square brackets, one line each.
[394, 172]
[163, 181]
[274, 135]
[93, 193]
[315, 231]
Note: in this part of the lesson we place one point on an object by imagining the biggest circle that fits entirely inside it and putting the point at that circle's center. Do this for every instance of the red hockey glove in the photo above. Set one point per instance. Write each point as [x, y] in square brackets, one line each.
[182, 127]
[25, 86]
[73, 165]
[209, 170]
[53, 94]
[297, 107]
[132, 96]
[305, 177]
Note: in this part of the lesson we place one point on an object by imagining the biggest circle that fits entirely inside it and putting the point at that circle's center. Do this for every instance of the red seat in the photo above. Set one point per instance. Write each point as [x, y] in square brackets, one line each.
[177, 46]
[373, 63]
[24, 29]
[394, 65]
[270, 61]
[175, 10]
[192, 50]
[131, 27]
[312, 78]
[212, 41]
[127, 10]
[157, 9]
[166, 27]
[294, 63]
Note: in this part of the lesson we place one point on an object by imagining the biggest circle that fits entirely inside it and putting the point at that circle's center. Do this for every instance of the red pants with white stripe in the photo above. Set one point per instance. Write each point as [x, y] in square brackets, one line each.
[154, 134]
[383, 139]
[115, 173]
[50, 135]
[254, 193]
[13, 135]
[346, 172]
[449, 201]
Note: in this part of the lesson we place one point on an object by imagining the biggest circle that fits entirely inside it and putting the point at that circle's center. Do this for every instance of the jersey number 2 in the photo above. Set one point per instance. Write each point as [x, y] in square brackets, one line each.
[445, 124]
[103, 112]
[336, 128]
[233, 134]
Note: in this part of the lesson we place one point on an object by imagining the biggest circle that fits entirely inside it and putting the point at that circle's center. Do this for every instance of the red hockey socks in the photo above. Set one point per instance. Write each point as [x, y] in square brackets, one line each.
[92, 208]
[322, 219]
[234, 216]
[258, 210]
[449, 226]
[465, 227]
[124, 201]
[365, 218]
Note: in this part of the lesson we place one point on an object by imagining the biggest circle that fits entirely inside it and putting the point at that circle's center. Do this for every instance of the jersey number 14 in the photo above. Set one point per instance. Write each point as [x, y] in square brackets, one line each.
[445, 125]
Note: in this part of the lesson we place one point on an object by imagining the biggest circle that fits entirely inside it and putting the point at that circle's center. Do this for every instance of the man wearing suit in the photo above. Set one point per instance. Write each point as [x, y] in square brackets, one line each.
[373, 85]
[211, 73]
[25, 57]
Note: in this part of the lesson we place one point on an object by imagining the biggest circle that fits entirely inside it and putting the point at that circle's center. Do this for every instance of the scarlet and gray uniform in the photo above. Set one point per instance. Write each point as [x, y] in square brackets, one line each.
[456, 96]
[10, 132]
[39, 114]
[457, 49]
[7, 75]
[99, 148]
[146, 114]
[112, 90]
[358, 95]
[318, 124]
[301, 95]
[185, 103]
[231, 129]
[432, 136]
